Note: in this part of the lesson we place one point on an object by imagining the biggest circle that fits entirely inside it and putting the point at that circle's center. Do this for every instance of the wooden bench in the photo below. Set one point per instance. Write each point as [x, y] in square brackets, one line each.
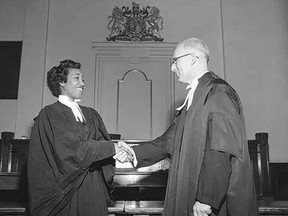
[17, 208]
[266, 207]
[137, 192]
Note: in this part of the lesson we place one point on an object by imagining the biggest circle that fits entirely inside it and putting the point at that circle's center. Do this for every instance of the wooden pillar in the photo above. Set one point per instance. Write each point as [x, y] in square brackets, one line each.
[6, 151]
[265, 188]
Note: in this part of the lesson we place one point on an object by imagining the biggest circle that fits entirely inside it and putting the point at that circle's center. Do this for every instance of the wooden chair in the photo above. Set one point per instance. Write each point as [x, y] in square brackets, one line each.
[259, 154]
[13, 175]
[6, 151]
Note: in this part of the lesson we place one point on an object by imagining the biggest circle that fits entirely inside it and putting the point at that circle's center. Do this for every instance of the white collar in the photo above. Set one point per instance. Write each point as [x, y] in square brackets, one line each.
[64, 99]
[196, 79]
[192, 86]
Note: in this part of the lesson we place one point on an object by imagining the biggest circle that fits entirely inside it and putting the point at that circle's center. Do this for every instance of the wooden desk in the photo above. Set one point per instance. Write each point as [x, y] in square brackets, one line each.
[144, 207]
[9, 181]
[117, 208]
[148, 185]
[132, 185]
[268, 208]
[18, 209]
[12, 208]
[273, 207]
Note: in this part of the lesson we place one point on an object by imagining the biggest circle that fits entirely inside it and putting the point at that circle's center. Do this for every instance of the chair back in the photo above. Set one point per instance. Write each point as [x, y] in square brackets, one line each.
[14, 153]
[6, 151]
[259, 155]
[19, 157]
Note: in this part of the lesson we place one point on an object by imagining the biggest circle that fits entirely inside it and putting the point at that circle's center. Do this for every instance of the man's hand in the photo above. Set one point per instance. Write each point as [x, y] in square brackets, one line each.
[124, 153]
[201, 209]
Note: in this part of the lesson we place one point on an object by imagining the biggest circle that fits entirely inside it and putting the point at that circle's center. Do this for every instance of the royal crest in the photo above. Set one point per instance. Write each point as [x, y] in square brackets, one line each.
[135, 24]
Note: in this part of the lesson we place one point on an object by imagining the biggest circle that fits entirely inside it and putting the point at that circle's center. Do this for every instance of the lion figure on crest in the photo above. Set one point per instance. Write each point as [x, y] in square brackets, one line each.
[117, 22]
[153, 19]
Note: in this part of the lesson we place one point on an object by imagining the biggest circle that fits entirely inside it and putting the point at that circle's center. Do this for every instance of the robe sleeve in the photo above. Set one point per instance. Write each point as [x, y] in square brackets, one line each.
[225, 122]
[214, 178]
[224, 127]
[93, 151]
[64, 141]
[151, 152]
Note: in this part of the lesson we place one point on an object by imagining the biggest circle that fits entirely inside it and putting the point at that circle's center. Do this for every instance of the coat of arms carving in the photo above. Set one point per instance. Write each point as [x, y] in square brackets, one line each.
[135, 24]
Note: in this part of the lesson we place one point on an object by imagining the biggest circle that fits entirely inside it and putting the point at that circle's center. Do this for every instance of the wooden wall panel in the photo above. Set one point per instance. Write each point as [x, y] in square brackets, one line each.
[134, 87]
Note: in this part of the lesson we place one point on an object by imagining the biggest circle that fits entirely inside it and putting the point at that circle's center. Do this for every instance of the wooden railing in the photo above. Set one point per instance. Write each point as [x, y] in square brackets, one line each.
[137, 192]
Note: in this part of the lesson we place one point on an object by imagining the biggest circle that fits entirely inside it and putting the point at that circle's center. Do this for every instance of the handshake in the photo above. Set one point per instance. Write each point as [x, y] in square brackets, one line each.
[123, 152]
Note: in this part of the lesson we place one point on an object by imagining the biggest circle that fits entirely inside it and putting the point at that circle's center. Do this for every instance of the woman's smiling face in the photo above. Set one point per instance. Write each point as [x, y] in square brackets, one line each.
[74, 86]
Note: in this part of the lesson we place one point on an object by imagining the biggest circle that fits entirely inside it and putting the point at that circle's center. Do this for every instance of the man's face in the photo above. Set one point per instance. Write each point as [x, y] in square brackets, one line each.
[74, 86]
[183, 60]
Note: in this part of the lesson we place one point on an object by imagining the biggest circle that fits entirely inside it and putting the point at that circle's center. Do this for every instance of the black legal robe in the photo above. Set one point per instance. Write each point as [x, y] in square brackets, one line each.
[212, 130]
[70, 166]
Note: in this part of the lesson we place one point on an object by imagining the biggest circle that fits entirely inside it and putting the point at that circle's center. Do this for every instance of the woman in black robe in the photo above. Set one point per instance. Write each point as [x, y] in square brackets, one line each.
[71, 163]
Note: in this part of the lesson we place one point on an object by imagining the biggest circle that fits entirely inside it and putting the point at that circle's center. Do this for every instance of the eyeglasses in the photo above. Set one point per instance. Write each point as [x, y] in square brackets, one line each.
[174, 60]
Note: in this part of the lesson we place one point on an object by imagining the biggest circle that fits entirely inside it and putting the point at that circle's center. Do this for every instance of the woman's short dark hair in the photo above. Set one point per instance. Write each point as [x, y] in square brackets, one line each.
[58, 74]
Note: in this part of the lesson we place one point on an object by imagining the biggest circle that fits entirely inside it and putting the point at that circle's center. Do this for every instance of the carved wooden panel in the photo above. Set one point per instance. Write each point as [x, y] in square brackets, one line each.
[134, 102]
[134, 87]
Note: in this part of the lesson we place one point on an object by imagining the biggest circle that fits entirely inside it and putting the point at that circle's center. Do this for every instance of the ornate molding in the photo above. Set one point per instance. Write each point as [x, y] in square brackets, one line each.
[135, 49]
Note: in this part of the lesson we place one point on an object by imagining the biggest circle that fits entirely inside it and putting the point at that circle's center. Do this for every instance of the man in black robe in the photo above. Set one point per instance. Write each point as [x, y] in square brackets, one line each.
[210, 170]
[70, 166]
